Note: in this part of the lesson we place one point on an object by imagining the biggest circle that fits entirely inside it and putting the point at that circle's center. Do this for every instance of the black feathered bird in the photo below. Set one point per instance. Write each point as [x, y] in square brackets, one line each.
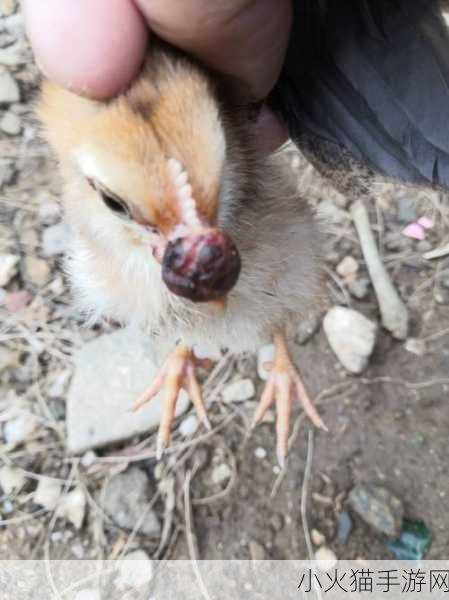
[365, 86]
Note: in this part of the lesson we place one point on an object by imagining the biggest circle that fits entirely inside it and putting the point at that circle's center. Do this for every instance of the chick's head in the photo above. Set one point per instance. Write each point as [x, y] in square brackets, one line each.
[148, 168]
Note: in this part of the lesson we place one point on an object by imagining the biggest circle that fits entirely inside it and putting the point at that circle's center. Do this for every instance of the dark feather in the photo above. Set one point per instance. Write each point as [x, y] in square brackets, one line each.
[371, 77]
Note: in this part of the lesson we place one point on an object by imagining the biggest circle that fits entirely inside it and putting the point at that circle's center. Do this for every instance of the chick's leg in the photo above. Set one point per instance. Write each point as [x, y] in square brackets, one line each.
[283, 385]
[178, 372]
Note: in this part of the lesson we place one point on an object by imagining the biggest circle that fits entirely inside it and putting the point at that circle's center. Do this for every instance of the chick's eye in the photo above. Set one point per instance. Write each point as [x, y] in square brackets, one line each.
[114, 204]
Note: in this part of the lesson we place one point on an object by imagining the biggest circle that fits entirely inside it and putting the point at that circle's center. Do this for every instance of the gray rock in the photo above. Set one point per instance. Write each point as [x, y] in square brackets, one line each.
[111, 372]
[19, 429]
[307, 329]
[407, 209]
[379, 508]
[351, 336]
[11, 124]
[9, 89]
[126, 499]
[55, 239]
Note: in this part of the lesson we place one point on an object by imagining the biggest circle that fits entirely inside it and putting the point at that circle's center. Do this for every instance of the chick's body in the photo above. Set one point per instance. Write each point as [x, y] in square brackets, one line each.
[119, 151]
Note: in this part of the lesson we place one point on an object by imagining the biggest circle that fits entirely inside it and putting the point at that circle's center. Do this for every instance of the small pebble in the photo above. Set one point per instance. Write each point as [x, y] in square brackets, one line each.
[11, 124]
[256, 551]
[19, 429]
[73, 507]
[239, 391]
[9, 89]
[326, 559]
[88, 459]
[416, 346]
[351, 336]
[48, 493]
[8, 268]
[307, 329]
[260, 453]
[38, 271]
[55, 239]
[378, 507]
[221, 473]
[135, 570]
[348, 268]
[265, 355]
[318, 539]
[188, 426]
[359, 288]
[11, 479]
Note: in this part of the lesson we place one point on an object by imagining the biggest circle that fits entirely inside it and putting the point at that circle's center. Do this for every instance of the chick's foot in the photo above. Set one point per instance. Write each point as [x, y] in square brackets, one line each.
[283, 385]
[178, 372]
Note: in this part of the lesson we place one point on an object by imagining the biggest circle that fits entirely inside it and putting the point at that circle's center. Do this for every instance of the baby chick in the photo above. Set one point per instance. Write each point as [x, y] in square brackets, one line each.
[180, 227]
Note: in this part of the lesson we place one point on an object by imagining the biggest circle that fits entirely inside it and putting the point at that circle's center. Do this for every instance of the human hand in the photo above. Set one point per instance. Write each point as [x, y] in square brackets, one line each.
[96, 47]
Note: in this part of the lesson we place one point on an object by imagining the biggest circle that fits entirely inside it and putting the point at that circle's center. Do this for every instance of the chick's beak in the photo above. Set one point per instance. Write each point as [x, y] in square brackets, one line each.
[201, 266]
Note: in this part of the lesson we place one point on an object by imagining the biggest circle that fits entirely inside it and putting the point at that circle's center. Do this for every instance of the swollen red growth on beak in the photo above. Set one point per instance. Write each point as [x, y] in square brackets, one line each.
[201, 267]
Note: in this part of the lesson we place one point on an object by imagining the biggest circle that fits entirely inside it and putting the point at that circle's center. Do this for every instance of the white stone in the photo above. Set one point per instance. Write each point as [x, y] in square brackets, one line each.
[260, 453]
[88, 595]
[188, 426]
[326, 559]
[73, 507]
[416, 346]
[239, 391]
[37, 270]
[111, 372]
[203, 351]
[19, 429]
[59, 384]
[11, 123]
[48, 493]
[317, 537]
[9, 89]
[8, 268]
[55, 239]
[88, 459]
[351, 336]
[221, 474]
[265, 355]
[11, 479]
[135, 570]
[348, 268]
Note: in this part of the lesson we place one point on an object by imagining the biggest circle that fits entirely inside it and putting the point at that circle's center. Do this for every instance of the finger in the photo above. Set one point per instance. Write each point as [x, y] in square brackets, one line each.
[244, 39]
[94, 48]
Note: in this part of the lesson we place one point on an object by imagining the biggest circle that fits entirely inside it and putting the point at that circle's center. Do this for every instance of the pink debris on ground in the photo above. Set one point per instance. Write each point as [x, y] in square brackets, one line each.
[425, 222]
[414, 231]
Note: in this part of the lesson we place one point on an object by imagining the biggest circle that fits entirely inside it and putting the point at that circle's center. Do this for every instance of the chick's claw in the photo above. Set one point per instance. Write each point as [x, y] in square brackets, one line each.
[178, 372]
[283, 385]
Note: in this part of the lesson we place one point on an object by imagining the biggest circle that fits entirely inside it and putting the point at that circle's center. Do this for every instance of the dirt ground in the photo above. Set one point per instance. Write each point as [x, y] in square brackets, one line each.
[388, 426]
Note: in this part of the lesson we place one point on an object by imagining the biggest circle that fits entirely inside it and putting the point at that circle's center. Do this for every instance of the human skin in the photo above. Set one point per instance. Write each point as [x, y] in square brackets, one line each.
[96, 47]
